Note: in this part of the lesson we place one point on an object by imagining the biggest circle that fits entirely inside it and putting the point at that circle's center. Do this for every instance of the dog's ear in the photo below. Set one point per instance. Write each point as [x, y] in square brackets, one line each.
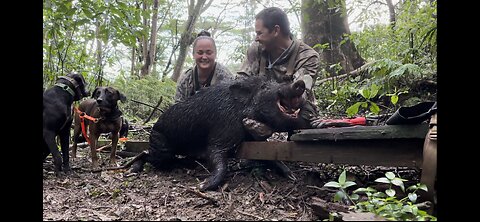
[95, 92]
[122, 97]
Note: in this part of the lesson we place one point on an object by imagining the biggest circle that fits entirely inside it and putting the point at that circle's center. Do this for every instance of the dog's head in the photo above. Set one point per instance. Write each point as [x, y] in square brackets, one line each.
[77, 83]
[107, 97]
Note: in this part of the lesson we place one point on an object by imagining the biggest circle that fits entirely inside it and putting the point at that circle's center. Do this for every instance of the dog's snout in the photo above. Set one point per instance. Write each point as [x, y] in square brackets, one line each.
[99, 100]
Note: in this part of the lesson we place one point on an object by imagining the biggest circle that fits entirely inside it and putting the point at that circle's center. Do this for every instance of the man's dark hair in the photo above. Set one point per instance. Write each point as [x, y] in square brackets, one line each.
[274, 16]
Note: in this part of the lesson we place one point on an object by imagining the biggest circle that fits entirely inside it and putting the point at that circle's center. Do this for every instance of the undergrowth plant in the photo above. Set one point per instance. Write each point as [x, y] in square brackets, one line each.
[385, 204]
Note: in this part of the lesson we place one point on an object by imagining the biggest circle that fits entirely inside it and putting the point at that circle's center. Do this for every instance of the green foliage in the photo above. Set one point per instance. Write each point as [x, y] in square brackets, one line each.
[400, 57]
[388, 206]
[147, 90]
[342, 185]
[385, 203]
[367, 94]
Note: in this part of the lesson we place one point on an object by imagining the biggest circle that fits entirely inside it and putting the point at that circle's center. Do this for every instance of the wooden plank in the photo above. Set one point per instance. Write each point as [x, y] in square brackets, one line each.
[363, 132]
[389, 152]
[136, 146]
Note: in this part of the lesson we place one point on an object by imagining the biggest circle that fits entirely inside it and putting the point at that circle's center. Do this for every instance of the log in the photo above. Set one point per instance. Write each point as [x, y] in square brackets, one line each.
[363, 133]
[386, 152]
[322, 209]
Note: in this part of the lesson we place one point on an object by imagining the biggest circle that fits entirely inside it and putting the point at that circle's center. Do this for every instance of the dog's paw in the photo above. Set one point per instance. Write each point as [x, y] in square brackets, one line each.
[60, 174]
[66, 169]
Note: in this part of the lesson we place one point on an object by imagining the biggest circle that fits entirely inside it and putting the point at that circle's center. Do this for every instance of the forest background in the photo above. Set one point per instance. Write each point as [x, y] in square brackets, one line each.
[376, 55]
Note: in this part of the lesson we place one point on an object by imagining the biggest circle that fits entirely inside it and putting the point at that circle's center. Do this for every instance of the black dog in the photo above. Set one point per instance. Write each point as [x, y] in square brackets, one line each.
[104, 108]
[57, 117]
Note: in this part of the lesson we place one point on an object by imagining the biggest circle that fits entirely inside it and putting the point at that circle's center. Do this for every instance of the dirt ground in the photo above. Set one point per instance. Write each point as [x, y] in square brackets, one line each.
[250, 192]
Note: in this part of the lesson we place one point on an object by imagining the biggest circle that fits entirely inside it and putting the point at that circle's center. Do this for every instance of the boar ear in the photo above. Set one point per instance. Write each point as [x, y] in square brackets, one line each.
[298, 87]
[240, 92]
[95, 92]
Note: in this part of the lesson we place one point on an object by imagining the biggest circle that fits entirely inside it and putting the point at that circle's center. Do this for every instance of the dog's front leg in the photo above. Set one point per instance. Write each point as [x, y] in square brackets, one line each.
[113, 151]
[64, 142]
[93, 148]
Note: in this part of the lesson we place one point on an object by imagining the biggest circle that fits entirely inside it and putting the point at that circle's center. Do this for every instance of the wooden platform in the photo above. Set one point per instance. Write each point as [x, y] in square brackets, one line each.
[359, 145]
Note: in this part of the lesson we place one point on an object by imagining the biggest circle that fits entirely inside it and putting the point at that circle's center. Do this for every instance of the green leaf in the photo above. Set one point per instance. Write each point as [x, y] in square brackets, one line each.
[364, 190]
[364, 104]
[354, 196]
[342, 178]
[423, 187]
[82, 22]
[365, 93]
[398, 182]
[382, 180]
[412, 197]
[332, 184]
[379, 194]
[339, 195]
[394, 99]
[407, 209]
[349, 184]
[353, 109]
[413, 187]
[390, 192]
[374, 90]
[374, 108]
[390, 175]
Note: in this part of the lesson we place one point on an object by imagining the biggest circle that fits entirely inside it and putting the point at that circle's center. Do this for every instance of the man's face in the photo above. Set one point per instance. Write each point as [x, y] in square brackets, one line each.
[204, 54]
[264, 36]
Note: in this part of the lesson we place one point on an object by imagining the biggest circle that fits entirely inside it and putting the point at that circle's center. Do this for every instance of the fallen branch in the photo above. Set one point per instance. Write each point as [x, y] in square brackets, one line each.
[199, 194]
[117, 167]
[202, 166]
[352, 73]
[424, 205]
[251, 215]
[153, 111]
[146, 105]
[104, 147]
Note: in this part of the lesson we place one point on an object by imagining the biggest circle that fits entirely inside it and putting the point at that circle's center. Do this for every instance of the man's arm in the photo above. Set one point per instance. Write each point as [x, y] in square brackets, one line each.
[308, 70]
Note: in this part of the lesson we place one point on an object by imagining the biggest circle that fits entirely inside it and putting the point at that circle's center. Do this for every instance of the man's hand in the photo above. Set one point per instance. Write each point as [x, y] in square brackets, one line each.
[258, 130]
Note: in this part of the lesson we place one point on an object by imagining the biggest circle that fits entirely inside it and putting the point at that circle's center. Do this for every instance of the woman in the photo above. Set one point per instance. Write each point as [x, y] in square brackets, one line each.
[206, 71]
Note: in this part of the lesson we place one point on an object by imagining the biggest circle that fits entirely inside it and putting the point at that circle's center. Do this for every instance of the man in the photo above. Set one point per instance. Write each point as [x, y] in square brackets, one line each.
[277, 54]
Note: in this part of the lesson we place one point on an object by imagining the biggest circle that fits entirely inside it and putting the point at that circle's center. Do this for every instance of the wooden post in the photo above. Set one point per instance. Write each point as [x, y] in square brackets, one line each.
[429, 166]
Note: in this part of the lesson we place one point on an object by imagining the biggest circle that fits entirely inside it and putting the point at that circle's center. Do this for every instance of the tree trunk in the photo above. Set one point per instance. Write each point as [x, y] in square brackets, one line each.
[132, 70]
[326, 24]
[99, 55]
[144, 43]
[150, 56]
[187, 38]
[391, 11]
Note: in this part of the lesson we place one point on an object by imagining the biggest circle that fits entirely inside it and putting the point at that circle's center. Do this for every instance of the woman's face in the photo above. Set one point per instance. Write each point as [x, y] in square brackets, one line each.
[204, 54]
